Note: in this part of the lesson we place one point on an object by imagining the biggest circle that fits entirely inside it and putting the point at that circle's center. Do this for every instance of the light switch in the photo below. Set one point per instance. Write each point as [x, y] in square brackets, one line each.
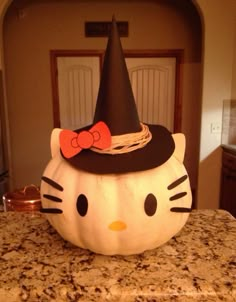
[215, 127]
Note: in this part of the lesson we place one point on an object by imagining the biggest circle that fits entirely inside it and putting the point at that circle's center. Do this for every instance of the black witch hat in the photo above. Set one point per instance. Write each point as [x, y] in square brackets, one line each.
[117, 109]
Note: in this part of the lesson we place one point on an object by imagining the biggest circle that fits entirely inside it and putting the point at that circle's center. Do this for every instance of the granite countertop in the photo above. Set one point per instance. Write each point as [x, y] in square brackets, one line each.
[198, 264]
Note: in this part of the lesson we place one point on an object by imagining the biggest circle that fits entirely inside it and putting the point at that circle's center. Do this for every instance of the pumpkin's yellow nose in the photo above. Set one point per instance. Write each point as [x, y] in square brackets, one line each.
[117, 226]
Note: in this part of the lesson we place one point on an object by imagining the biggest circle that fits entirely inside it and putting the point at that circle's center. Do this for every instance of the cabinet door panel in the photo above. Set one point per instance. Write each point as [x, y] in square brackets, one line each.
[228, 190]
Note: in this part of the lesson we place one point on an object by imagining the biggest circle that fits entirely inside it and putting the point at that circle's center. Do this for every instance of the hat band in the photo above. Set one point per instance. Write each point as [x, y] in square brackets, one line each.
[126, 143]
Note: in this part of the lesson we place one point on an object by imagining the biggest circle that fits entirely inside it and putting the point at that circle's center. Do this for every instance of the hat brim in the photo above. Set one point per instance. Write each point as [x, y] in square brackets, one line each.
[154, 154]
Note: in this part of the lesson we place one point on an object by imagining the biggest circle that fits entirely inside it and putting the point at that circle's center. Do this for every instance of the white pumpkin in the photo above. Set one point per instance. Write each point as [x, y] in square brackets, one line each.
[116, 213]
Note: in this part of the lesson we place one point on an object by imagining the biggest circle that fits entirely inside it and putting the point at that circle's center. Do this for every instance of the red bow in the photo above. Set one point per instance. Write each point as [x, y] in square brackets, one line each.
[72, 143]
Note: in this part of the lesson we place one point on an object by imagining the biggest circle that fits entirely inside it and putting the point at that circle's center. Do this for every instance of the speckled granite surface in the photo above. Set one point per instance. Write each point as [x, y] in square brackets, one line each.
[199, 264]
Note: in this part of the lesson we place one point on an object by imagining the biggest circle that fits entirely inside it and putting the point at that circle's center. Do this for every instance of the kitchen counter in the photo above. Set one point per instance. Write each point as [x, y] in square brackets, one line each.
[198, 264]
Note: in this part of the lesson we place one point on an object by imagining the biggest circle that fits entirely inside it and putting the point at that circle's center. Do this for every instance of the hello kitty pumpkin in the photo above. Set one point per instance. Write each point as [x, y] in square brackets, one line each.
[116, 213]
[117, 186]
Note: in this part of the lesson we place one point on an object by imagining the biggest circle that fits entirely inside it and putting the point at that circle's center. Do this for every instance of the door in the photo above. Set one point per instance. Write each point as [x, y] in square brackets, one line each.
[153, 84]
[78, 83]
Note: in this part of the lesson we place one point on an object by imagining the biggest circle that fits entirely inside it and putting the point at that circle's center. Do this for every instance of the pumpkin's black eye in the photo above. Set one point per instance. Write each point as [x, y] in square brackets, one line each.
[150, 205]
[82, 205]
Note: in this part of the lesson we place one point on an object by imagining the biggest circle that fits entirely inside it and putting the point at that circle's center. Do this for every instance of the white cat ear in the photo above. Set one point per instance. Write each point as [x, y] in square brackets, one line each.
[180, 145]
[55, 145]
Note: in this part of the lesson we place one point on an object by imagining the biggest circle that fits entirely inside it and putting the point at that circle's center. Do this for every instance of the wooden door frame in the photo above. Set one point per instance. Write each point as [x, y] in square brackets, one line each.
[178, 54]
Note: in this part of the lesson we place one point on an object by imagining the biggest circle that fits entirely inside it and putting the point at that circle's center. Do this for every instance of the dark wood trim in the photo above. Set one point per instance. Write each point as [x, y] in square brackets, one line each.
[55, 94]
[54, 54]
[178, 54]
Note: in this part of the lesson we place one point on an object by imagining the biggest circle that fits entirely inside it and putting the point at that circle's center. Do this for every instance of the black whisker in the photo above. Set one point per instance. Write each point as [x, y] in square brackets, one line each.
[180, 210]
[52, 183]
[52, 198]
[177, 182]
[51, 210]
[178, 196]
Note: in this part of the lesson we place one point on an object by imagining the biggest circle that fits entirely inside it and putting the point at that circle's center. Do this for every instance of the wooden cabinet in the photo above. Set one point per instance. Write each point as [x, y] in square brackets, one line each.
[228, 182]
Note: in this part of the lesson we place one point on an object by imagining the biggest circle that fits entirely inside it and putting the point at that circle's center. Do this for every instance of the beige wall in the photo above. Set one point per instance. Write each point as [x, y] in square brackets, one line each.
[219, 51]
[234, 65]
[219, 46]
[31, 31]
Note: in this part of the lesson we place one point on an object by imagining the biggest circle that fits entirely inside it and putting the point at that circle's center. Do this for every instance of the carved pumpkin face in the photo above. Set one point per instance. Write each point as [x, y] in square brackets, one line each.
[116, 213]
